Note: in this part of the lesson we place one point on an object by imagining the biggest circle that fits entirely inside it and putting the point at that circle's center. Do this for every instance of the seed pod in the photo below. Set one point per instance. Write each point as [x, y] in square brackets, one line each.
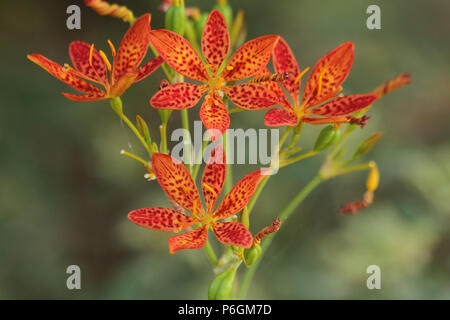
[367, 145]
[327, 137]
[116, 105]
[225, 9]
[251, 255]
[220, 288]
[176, 17]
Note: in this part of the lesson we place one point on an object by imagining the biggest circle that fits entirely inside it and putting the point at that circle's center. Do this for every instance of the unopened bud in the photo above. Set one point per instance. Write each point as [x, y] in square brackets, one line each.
[143, 129]
[252, 254]
[327, 137]
[220, 288]
[116, 105]
[176, 17]
[367, 145]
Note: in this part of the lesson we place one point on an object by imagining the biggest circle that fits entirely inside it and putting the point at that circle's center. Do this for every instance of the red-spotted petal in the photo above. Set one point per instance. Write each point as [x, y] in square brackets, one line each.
[85, 97]
[213, 177]
[275, 87]
[234, 233]
[178, 96]
[176, 181]
[215, 40]
[340, 119]
[280, 117]
[251, 96]
[148, 68]
[161, 219]
[79, 54]
[344, 105]
[284, 61]
[133, 47]
[239, 196]
[194, 239]
[328, 74]
[250, 58]
[179, 54]
[68, 77]
[122, 84]
[214, 114]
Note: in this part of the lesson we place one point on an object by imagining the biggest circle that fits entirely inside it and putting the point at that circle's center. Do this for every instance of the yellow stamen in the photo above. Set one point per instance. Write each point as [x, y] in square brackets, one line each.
[91, 50]
[219, 83]
[301, 75]
[113, 49]
[206, 66]
[210, 189]
[373, 178]
[319, 89]
[132, 156]
[229, 68]
[103, 55]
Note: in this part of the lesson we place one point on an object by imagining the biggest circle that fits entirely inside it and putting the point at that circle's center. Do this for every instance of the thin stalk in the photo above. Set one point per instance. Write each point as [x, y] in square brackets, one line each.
[211, 254]
[187, 137]
[298, 158]
[163, 132]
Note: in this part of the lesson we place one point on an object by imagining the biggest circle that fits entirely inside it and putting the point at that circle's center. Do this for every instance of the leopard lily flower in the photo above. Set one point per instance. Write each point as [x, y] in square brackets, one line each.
[321, 102]
[92, 65]
[179, 186]
[215, 74]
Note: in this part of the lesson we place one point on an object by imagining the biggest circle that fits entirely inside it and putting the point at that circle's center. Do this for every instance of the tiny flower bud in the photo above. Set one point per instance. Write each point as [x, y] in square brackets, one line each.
[367, 145]
[143, 129]
[251, 255]
[220, 288]
[176, 17]
[327, 137]
[116, 105]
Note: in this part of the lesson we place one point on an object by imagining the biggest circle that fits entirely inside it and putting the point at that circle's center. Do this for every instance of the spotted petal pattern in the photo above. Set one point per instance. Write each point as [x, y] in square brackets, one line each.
[149, 67]
[213, 177]
[215, 40]
[133, 47]
[178, 96]
[280, 118]
[176, 181]
[239, 196]
[179, 54]
[85, 97]
[79, 54]
[194, 239]
[250, 58]
[328, 74]
[234, 233]
[214, 114]
[251, 96]
[161, 219]
[344, 105]
[284, 61]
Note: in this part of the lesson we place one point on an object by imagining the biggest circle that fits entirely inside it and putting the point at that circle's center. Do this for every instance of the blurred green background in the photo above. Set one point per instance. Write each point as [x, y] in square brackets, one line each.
[65, 190]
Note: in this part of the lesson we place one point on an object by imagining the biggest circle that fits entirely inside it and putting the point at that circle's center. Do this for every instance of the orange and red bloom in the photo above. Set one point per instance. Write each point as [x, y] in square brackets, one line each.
[321, 102]
[217, 76]
[180, 187]
[92, 65]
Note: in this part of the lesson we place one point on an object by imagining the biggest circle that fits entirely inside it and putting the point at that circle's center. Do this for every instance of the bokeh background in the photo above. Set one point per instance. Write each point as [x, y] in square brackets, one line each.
[65, 190]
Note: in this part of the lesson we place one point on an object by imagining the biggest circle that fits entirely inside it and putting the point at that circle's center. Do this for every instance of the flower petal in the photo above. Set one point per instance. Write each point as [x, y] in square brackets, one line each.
[328, 74]
[215, 40]
[179, 54]
[67, 77]
[79, 54]
[85, 97]
[194, 239]
[178, 96]
[234, 233]
[148, 68]
[284, 61]
[280, 118]
[133, 47]
[214, 114]
[344, 105]
[251, 96]
[161, 219]
[239, 196]
[213, 177]
[123, 83]
[340, 119]
[176, 181]
[250, 58]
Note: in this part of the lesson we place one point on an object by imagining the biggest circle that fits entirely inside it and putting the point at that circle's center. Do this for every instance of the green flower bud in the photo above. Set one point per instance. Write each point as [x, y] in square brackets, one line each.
[143, 129]
[225, 9]
[367, 145]
[327, 137]
[176, 17]
[116, 105]
[251, 255]
[199, 24]
[220, 288]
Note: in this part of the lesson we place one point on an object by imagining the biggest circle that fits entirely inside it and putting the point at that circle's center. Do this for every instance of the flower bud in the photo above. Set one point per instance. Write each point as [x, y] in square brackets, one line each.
[251, 255]
[220, 288]
[327, 137]
[116, 105]
[143, 129]
[225, 9]
[367, 145]
[176, 17]
[373, 179]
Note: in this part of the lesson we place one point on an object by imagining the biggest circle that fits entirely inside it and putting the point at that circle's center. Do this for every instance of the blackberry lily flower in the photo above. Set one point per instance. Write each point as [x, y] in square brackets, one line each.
[216, 76]
[92, 65]
[321, 102]
[179, 186]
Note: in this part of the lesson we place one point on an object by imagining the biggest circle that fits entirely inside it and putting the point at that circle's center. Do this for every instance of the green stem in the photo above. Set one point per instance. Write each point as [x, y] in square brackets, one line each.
[258, 190]
[229, 175]
[163, 130]
[288, 210]
[187, 137]
[298, 158]
[211, 254]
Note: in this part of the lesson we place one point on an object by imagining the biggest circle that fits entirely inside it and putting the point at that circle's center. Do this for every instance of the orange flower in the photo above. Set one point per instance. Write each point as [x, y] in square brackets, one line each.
[178, 184]
[247, 61]
[90, 64]
[324, 83]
